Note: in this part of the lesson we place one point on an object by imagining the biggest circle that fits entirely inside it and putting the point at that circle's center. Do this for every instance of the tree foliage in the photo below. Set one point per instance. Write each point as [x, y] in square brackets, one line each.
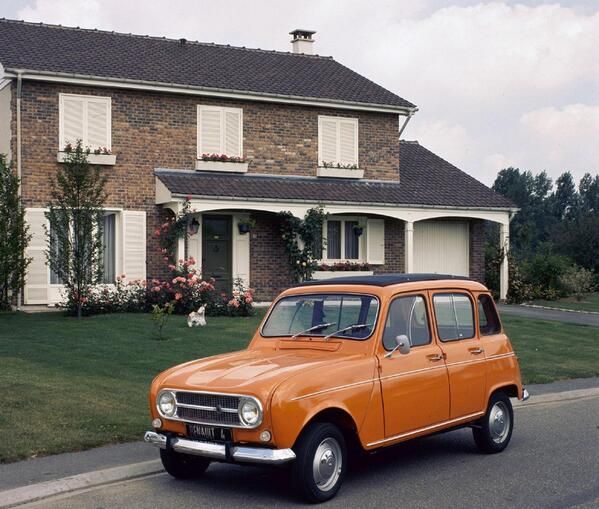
[14, 237]
[75, 215]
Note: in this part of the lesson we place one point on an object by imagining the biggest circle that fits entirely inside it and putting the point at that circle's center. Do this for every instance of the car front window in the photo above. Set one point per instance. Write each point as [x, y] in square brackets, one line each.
[325, 314]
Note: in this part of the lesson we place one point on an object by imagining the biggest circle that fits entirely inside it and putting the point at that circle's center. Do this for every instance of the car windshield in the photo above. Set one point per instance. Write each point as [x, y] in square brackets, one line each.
[335, 315]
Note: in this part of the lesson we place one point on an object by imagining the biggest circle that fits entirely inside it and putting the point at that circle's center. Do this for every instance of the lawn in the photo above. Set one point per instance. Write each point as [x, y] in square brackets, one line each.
[70, 385]
[590, 302]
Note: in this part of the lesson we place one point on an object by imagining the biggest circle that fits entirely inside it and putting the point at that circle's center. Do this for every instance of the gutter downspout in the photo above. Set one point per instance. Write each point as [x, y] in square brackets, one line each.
[19, 166]
[410, 115]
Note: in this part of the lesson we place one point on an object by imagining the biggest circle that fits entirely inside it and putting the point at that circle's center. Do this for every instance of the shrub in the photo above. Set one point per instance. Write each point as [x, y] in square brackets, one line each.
[577, 281]
[543, 271]
[343, 266]
[242, 300]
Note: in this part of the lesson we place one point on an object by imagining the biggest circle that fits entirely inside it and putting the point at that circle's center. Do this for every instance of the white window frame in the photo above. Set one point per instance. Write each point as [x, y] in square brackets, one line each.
[361, 240]
[118, 247]
[222, 110]
[86, 99]
[338, 121]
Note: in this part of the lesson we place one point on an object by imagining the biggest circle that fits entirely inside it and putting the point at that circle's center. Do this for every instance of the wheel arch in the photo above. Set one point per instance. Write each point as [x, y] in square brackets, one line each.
[339, 417]
[510, 390]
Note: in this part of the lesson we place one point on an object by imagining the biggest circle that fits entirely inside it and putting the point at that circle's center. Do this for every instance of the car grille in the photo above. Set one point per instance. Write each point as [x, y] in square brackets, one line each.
[219, 409]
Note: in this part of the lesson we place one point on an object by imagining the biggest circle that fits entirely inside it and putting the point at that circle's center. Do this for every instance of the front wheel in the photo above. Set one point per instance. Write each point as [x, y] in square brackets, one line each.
[321, 462]
[183, 466]
[495, 429]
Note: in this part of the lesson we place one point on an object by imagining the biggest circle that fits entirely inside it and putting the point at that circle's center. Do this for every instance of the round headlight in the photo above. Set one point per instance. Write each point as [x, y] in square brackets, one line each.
[250, 412]
[167, 404]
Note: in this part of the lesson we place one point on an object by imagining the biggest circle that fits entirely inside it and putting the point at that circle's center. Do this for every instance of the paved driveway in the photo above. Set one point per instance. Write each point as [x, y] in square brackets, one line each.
[549, 314]
[552, 462]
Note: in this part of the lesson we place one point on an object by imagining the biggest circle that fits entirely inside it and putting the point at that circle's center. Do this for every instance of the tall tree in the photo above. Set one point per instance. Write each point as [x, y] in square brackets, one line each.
[565, 198]
[75, 233]
[14, 237]
[588, 190]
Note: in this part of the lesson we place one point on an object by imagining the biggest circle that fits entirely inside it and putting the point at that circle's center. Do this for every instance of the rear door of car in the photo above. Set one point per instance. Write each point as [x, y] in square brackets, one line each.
[457, 334]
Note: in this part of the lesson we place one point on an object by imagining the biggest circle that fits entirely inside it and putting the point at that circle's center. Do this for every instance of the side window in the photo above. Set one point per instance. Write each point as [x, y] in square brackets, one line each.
[454, 315]
[407, 315]
[487, 316]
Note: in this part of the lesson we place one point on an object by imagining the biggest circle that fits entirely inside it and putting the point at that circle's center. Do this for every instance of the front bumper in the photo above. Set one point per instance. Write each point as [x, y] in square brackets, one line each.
[221, 452]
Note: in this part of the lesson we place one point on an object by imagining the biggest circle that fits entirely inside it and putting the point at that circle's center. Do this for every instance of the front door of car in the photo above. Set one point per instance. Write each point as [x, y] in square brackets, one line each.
[414, 385]
[464, 354]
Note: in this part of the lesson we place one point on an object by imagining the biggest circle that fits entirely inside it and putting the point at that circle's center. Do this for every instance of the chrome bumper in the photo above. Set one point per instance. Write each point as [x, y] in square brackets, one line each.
[237, 453]
[525, 395]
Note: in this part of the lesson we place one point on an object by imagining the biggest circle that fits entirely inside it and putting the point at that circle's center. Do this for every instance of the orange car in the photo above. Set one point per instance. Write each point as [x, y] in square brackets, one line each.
[369, 361]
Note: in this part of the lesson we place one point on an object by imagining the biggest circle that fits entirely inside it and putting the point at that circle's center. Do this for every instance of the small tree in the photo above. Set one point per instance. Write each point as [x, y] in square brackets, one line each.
[14, 237]
[75, 234]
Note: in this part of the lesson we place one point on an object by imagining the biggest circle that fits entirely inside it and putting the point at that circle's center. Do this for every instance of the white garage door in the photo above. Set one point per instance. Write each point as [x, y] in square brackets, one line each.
[442, 247]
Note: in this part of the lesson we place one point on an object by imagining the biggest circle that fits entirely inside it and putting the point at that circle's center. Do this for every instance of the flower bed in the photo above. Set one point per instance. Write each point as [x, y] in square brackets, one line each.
[184, 288]
[344, 266]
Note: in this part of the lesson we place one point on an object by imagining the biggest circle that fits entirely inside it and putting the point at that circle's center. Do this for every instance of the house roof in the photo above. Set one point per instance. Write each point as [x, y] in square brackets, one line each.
[425, 180]
[93, 53]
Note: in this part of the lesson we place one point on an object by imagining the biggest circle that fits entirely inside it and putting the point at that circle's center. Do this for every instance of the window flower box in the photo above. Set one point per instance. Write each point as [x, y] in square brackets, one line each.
[226, 166]
[99, 159]
[343, 173]
[328, 274]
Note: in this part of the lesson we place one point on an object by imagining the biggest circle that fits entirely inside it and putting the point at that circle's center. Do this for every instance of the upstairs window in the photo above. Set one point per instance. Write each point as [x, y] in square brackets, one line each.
[220, 131]
[86, 118]
[337, 141]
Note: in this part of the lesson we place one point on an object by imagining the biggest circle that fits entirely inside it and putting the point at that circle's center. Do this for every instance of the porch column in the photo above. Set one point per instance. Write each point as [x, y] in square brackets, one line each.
[409, 246]
[504, 243]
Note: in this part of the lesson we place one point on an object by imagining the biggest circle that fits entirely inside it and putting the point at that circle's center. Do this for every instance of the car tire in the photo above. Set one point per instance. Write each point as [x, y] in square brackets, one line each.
[183, 466]
[494, 431]
[321, 462]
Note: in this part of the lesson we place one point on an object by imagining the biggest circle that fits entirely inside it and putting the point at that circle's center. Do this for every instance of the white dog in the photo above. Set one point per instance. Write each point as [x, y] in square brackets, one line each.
[196, 318]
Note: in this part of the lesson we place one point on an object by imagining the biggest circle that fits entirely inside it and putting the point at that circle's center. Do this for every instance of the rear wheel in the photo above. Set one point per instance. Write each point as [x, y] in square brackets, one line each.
[495, 430]
[321, 462]
[183, 466]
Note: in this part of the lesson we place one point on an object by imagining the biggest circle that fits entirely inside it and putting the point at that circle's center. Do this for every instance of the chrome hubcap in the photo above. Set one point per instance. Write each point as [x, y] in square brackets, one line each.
[499, 422]
[327, 464]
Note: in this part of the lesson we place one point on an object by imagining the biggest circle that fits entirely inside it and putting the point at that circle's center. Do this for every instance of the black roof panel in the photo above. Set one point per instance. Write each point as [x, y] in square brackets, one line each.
[383, 279]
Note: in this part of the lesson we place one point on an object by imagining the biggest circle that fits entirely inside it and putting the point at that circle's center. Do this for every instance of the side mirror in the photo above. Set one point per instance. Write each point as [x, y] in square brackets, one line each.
[403, 344]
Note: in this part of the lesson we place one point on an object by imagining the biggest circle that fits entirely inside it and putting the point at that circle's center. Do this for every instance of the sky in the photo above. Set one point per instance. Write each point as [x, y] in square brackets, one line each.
[497, 84]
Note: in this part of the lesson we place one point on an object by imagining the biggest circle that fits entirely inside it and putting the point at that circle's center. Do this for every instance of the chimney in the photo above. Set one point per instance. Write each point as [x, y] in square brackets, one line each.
[301, 41]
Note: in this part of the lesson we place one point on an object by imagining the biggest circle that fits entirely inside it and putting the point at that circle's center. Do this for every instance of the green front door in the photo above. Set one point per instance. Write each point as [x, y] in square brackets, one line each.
[217, 251]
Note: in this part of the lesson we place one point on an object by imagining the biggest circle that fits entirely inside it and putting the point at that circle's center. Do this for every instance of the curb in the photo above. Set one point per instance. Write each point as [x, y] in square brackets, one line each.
[31, 493]
[556, 397]
[579, 311]
[35, 492]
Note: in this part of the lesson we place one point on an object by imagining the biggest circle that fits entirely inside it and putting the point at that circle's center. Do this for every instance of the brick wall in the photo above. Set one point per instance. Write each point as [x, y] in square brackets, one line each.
[269, 266]
[477, 250]
[394, 248]
[151, 130]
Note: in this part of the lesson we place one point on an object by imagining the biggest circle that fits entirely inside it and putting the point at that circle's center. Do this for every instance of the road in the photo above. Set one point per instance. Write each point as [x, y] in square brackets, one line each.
[552, 462]
[549, 314]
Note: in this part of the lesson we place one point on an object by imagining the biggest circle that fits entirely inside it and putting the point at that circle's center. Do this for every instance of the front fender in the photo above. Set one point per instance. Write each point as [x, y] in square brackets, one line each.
[347, 386]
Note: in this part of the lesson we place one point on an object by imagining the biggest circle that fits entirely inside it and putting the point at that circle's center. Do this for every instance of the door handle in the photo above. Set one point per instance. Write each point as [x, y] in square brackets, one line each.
[435, 357]
[476, 351]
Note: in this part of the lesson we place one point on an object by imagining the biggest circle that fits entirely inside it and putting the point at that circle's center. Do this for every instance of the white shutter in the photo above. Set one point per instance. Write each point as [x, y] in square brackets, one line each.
[375, 239]
[210, 130]
[98, 123]
[134, 244]
[36, 281]
[72, 123]
[241, 252]
[233, 132]
[327, 142]
[348, 141]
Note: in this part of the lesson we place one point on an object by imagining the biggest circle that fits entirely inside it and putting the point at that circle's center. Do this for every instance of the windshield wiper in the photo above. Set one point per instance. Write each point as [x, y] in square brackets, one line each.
[348, 328]
[313, 328]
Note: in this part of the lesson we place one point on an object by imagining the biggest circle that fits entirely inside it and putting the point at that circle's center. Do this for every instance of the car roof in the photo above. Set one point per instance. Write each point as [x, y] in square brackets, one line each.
[383, 279]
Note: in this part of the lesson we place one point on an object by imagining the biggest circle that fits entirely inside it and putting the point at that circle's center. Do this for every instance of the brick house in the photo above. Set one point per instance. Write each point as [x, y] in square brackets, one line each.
[306, 131]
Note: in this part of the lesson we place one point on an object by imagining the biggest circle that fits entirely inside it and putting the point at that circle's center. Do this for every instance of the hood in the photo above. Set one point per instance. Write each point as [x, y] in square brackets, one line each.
[253, 372]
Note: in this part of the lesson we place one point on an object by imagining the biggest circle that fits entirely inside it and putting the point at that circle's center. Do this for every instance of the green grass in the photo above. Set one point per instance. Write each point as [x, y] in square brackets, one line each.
[590, 302]
[69, 385]
[550, 351]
